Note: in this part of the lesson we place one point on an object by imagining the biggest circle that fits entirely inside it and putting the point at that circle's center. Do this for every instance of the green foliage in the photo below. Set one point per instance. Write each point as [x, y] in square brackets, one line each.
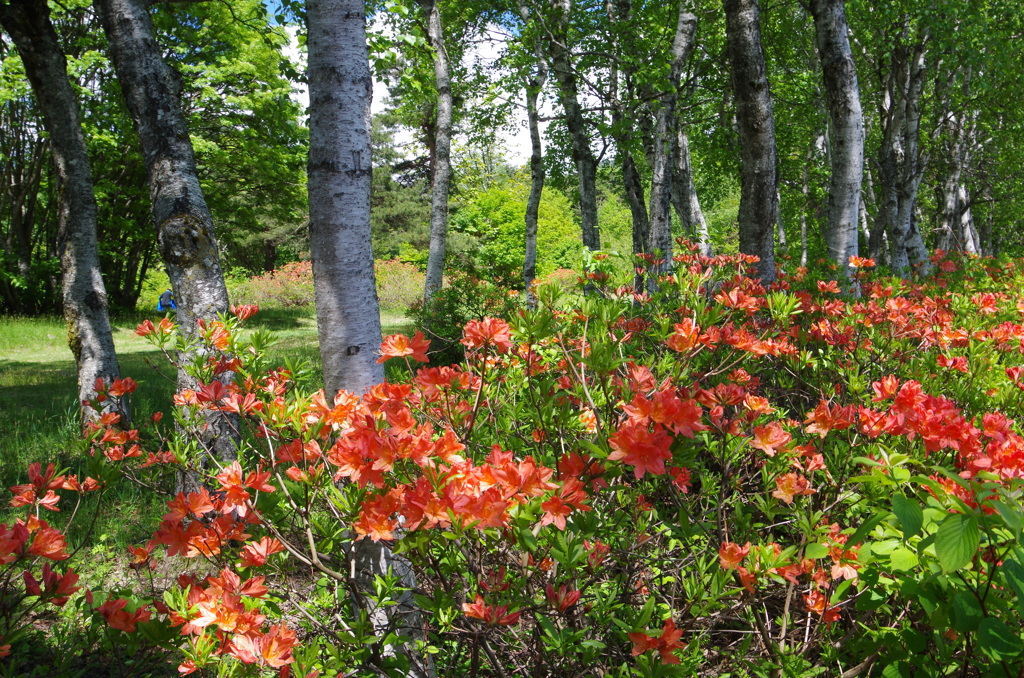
[606, 486]
[463, 298]
[399, 285]
[495, 216]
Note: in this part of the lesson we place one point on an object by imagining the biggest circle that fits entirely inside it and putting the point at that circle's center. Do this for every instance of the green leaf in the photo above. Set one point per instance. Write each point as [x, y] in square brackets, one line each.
[865, 528]
[1011, 515]
[957, 541]
[910, 515]
[816, 550]
[1014, 575]
[897, 670]
[998, 640]
[903, 559]
[967, 612]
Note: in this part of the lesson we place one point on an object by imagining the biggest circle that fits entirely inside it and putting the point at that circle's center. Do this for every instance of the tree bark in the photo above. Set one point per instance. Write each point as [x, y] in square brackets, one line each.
[900, 163]
[758, 181]
[568, 97]
[442, 165]
[662, 180]
[842, 96]
[185, 232]
[684, 193]
[84, 296]
[348, 316]
[535, 83]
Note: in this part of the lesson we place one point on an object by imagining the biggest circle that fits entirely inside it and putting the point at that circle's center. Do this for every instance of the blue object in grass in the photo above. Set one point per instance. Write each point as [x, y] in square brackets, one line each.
[166, 302]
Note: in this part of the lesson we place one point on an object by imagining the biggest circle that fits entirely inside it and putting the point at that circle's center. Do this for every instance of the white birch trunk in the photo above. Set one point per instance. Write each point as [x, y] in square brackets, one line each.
[568, 96]
[84, 295]
[842, 96]
[442, 165]
[684, 193]
[348, 316]
[759, 204]
[660, 237]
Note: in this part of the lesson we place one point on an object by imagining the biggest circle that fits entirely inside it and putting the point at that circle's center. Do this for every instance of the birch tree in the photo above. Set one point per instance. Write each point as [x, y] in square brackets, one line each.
[560, 55]
[83, 293]
[842, 97]
[185, 231]
[759, 204]
[441, 174]
[663, 179]
[348, 316]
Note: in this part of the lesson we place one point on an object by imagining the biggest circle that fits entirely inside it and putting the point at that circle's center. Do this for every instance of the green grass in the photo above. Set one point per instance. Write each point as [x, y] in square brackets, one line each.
[38, 408]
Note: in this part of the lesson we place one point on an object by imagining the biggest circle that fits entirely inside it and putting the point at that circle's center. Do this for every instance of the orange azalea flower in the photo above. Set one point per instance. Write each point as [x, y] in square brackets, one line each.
[497, 615]
[122, 386]
[399, 346]
[235, 497]
[680, 478]
[642, 449]
[589, 420]
[958, 363]
[666, 643]
[119, 618]
[825, 418]
[245, 311]
[790, 485]
[885, 389]
[488, 332]
[747, 579]
[562, 599]
[48, 543]
[770, 439]
[757, 404]
[730, 555]
[256, 554]
[861, 262]
[685, 336]
[817, 602]
[273, 649]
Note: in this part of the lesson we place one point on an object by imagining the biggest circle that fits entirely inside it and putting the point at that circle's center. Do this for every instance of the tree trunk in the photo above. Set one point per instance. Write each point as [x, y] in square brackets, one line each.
[758, 182]
[900, 162]
[534, 85]
[842, 96]
[582, 154]
[661, 184]
[84, 296]
[684, 193]
[348, 317]
[185, 232]
[622, 132]
[442, 166]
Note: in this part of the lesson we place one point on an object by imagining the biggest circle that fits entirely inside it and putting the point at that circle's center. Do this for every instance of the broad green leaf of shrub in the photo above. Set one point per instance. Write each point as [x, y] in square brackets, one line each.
[998, 640]
[967, 612]
[903, 559]
[910, 515]
[1014, 575]
[957, 541]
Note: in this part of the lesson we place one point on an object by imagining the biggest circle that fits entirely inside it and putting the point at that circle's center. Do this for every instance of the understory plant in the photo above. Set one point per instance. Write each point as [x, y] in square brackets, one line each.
[713, 478]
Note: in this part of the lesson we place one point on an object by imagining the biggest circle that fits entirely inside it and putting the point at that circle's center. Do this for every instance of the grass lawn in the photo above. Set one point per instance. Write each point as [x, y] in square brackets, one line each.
[38, 393]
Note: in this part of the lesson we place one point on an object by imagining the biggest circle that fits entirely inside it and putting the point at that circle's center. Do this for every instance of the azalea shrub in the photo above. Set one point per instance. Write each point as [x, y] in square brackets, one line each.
[715, 478]
[463, 298]
[399, 285]
[289, 286]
